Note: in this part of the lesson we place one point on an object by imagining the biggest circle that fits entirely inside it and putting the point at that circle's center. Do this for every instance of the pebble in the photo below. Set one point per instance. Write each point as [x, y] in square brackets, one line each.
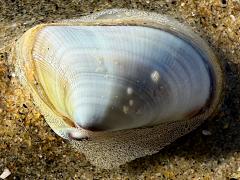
[233, 18]
[5, 174]
[206, 133]
[13, 75]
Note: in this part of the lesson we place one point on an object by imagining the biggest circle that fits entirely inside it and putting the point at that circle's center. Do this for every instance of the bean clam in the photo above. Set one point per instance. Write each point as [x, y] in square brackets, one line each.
[119, 84]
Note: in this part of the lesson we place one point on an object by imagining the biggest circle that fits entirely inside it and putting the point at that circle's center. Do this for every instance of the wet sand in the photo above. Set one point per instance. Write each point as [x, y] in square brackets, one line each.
[31, 150]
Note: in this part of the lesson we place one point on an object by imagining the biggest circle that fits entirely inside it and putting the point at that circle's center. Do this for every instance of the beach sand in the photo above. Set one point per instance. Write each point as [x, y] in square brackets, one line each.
[31, 150]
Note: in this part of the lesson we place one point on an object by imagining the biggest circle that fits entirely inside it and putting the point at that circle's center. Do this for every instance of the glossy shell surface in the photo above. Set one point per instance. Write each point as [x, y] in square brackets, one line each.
[124, 82]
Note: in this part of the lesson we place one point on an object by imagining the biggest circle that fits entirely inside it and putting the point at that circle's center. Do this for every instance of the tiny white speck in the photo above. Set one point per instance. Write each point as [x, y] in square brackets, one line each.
[125, 109]
[155, 76]
[129, 90]
[130, 102]
[206, 133]
[13, 75]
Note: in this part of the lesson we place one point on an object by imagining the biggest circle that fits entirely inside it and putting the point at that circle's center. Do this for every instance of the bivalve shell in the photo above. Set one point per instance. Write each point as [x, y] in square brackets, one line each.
[120, 84]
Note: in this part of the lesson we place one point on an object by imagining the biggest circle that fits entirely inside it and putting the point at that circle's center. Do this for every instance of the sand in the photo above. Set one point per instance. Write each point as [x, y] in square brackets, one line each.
[31, 150]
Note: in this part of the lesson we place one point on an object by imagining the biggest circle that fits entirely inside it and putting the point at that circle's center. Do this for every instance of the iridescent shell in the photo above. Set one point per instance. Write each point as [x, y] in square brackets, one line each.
[124, 83]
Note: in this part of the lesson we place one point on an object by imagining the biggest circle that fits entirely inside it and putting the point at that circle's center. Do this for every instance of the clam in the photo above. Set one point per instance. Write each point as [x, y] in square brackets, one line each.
[119, 84]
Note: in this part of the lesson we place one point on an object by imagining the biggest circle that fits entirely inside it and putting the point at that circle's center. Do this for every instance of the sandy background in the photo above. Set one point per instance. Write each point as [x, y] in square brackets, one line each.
[30, 149]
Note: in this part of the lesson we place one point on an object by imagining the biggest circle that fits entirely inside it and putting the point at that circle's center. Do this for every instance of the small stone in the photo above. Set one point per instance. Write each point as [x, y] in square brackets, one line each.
[5, 174]
[129, 90]
[13, 75]
[206, 133]
[233, 18]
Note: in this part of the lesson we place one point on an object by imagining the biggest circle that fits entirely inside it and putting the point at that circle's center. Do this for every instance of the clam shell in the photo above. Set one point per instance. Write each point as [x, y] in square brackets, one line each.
[124, 82]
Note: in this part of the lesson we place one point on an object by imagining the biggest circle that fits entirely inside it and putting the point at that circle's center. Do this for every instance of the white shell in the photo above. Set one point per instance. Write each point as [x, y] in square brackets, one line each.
[128, 70]
[98, 64]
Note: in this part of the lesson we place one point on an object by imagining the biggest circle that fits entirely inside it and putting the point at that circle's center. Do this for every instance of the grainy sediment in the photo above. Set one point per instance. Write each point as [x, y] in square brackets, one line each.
[30, 149]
